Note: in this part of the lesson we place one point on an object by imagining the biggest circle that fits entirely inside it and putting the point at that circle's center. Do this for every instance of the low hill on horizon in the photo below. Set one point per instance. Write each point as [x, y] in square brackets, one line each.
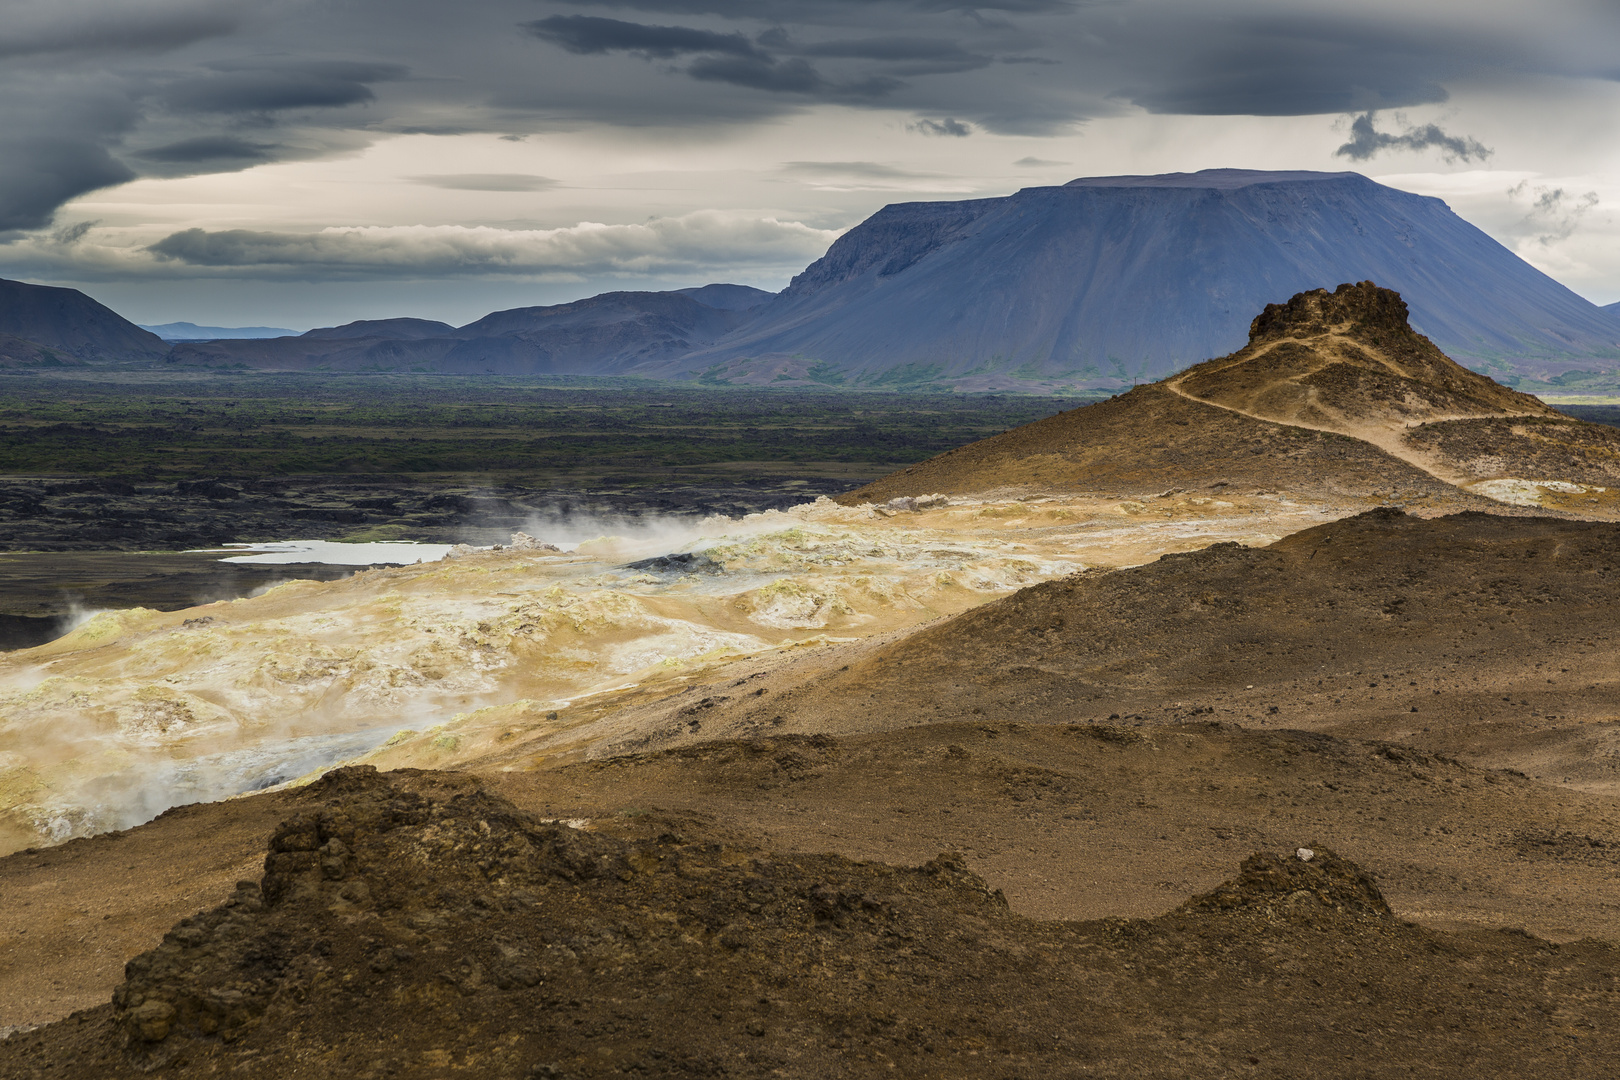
[601, 335]
[189, 331]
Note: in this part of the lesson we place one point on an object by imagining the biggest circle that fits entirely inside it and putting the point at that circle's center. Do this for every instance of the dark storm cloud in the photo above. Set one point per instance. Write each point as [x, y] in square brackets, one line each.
[199, 85]
[205, 149]
[586, 34]
[730, 58]
[823, 10]
[947, 126]
[757, 73]
[312, 84]
[1299, 67]
[1366, 140]
[40, 173]
[906, 55]
[68, 28]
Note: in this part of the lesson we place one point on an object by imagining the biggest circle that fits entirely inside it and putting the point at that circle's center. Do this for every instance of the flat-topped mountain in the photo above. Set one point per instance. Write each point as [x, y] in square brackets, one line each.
[1110, 279]
[1335, 392]
[38, 322]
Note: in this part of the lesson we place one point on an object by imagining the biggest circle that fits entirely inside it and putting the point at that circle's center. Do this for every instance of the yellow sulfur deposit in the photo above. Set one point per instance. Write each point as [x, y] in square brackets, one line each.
[138, 710]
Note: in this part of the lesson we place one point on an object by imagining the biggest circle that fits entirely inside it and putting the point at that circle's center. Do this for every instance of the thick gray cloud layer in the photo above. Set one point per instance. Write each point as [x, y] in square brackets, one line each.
[95, 92]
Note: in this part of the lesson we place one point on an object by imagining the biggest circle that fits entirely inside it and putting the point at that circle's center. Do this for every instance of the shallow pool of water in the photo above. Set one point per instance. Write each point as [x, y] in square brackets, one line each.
[337, 553]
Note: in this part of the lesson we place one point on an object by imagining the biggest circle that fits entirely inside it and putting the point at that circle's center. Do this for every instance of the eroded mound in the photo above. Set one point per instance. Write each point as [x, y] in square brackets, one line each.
[1310, 879]
[1347, 361]
[417, 926]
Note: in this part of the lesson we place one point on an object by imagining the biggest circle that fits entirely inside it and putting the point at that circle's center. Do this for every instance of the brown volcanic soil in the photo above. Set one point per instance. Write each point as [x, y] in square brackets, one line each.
[71, 915]
[1151, 438]
[1070, 822]
[416, 926]
[1089, 821]
[1487, 638]
[1529, 447]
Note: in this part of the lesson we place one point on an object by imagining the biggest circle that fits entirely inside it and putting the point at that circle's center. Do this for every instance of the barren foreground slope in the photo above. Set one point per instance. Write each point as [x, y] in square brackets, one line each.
[1484, 637]
[425, 928]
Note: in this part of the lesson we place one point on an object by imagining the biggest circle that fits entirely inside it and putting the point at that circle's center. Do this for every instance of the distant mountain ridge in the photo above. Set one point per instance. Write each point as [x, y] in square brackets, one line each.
[188, 331]
[600, 335]
[1098, 284]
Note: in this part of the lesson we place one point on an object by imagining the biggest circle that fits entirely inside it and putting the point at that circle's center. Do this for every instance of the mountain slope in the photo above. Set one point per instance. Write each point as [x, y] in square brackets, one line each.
[70, 321]
[1108, 279]
[1335, 393]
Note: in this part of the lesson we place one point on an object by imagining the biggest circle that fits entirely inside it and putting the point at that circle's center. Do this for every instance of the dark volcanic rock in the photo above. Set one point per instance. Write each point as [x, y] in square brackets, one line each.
[37, 514]
[682, 563]
[1269, 881]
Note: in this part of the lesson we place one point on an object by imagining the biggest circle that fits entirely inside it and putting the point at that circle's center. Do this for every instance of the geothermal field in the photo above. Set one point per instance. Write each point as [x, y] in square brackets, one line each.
[1242, 723]
[439, 663]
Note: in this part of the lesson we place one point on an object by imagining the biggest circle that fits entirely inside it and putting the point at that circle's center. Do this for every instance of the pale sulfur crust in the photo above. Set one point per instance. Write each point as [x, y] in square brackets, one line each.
[138, 710]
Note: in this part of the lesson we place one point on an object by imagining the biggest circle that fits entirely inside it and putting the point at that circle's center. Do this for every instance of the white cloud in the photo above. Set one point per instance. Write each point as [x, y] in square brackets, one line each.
[691, 243]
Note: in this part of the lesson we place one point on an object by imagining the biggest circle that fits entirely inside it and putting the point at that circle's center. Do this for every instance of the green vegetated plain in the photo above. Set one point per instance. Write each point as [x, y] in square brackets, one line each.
[450, 429]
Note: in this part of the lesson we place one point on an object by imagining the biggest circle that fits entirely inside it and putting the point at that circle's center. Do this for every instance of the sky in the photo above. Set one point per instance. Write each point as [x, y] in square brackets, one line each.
[307, 162]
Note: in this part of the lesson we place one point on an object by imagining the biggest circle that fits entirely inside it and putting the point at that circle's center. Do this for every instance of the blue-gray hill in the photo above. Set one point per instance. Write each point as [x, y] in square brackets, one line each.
[600, 335]
[1112, 279]
[43, 319]
[397, 329]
